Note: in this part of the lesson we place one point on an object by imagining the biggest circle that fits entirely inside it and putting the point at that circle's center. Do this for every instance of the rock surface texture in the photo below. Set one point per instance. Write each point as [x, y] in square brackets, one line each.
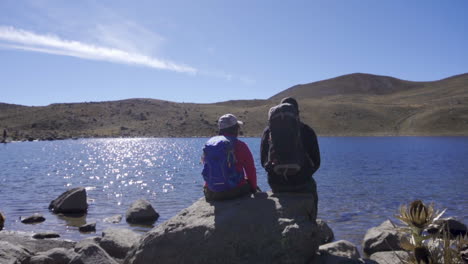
[72, 201]
[56, 256]
[34, 245]
[384, 237]
[341, 248]
[117, 242]
[389, 257]
[12, 254]
[92, 253]
[262, 228]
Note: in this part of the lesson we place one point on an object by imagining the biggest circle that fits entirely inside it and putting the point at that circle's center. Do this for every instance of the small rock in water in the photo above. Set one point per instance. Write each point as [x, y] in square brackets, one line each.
[91, 227]
[2, 220]
[46, 235]
[35, 218]
[72, 201]
[115, 219]
[141, 212]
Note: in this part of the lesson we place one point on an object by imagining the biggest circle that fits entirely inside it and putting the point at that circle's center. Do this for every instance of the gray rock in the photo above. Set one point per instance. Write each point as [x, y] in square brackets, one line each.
[141, 212]
[115, 219]
[389, 257]
[117, 242]
[13, 254]
[325, 232]
[34, 245]
[332, 259]
[72, 201]
[2, 220]
[464, 255]
[91, 227]
[262, 228]
[35, 218]
[455, 227]
[43, 235]
[92, 253]
[382, 238]
[341, 248]
[54, 256]
[85, 242]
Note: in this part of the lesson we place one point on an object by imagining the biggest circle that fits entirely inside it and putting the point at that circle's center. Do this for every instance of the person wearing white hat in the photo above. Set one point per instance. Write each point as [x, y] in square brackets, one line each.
[229, 168]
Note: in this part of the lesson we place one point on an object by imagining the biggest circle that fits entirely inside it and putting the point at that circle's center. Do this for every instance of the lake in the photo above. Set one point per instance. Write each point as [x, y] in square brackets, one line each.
[361, 183]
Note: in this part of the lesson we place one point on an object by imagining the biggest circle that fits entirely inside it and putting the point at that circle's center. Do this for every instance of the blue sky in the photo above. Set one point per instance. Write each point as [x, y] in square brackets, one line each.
[210, 51]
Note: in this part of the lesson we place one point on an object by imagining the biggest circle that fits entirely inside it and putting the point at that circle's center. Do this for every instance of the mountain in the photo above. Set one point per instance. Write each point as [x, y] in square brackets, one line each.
[350, 105]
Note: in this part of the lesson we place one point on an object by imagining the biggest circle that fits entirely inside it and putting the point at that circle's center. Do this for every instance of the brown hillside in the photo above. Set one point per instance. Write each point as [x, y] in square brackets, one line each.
[355, 104]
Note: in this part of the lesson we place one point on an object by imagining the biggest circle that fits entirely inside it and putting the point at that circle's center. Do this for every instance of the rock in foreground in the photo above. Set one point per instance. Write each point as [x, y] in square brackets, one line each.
[381, 238]
[72, 201]
[10, 253]
[263, 228]
[341, 248]
[117, 242]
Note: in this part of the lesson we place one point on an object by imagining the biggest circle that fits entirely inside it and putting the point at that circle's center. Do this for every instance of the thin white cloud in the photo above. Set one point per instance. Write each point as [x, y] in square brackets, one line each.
[25, 40]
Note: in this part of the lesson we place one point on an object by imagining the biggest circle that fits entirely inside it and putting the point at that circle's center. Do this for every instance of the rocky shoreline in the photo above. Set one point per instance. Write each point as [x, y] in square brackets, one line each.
[262, 228]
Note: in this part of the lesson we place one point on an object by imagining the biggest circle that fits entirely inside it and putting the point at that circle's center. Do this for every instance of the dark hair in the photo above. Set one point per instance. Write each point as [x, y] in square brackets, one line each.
[290, 100]
[233, 130]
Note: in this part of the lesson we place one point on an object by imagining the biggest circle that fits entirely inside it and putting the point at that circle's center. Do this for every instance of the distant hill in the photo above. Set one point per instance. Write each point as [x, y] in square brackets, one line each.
[350, 105]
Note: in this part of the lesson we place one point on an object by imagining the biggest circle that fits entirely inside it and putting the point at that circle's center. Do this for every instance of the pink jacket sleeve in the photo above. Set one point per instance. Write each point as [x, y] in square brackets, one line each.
[246, 162]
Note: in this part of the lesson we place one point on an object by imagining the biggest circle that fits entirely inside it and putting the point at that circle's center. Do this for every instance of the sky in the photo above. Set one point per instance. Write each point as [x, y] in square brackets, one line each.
[211, 51]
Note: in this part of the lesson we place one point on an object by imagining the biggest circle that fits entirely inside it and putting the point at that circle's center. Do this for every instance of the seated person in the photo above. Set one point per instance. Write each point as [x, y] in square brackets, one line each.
[229, 169]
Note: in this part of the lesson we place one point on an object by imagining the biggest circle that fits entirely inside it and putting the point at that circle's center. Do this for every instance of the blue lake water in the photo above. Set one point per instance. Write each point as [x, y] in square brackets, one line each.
[361, 183]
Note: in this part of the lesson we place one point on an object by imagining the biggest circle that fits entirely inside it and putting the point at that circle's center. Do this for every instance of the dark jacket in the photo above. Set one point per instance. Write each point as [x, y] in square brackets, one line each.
[310, 143]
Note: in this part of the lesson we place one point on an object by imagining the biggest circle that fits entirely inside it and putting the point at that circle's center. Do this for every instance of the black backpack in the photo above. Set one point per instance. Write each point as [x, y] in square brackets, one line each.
[286, 154]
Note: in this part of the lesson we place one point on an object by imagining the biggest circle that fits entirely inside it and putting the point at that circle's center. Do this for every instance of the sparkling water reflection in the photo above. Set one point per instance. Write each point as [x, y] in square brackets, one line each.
[361, 183]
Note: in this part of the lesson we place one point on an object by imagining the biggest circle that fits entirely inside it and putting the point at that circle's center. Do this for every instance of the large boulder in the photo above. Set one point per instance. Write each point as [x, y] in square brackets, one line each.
[92, 253]
[262, 228]
[73, 201]
[141, 212]
[325, 232]
[341, 248]
[117, 242]
[382, 238]
[389, 257]
[12, 254]
[54, 256]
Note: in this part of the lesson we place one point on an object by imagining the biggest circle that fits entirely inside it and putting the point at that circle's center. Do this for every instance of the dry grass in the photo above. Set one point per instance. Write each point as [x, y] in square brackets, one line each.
[351, 105]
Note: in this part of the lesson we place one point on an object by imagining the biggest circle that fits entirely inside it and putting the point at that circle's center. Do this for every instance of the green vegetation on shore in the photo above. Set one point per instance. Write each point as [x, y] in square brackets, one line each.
[349, 105]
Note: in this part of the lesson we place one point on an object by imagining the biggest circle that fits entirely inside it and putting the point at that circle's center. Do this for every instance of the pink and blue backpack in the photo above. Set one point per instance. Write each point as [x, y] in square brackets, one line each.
[219, 171]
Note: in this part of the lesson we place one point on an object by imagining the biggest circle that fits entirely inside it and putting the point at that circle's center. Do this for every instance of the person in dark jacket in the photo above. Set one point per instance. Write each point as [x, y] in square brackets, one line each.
[304, 182]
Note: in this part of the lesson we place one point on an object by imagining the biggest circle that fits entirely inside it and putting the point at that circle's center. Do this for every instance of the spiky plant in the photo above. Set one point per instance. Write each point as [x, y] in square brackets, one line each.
[418, 217]
[423, 248]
